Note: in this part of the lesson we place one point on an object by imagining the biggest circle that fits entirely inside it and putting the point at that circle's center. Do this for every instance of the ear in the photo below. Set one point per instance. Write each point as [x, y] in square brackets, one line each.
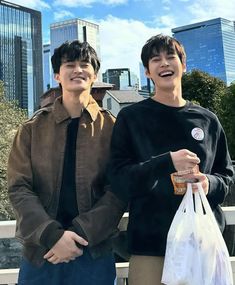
[147, 73]
[94, 78]
[57, 77]
[184, 68]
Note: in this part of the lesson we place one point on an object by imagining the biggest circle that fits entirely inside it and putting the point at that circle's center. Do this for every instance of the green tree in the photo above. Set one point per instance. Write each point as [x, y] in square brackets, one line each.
[213, 94]
[227, 117]
[203, 89]
[11, 117]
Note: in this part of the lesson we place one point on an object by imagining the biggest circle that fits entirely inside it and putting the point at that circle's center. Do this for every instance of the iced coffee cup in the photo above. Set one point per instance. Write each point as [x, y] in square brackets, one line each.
[180, 181]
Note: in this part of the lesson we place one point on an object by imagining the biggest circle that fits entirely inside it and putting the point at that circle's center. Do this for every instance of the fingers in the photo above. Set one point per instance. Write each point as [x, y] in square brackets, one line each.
[184, 159]
[80, 240]
[76, 252]
[66, 248]
[191, 157]
[49, 254]
[55, 259]
[201, 178]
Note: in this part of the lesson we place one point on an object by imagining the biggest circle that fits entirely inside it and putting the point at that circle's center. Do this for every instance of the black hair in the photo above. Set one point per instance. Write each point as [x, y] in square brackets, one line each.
[159, 43]
[75, 50]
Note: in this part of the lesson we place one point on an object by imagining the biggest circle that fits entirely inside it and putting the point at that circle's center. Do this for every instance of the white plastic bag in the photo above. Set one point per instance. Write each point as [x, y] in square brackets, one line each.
[196, 253]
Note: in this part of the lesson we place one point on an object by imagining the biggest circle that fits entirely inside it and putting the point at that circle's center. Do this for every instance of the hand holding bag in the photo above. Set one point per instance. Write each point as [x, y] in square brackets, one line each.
[196, 253]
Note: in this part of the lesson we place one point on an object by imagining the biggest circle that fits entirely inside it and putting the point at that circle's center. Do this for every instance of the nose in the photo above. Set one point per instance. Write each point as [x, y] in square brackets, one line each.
[77, 68]
[164, 62]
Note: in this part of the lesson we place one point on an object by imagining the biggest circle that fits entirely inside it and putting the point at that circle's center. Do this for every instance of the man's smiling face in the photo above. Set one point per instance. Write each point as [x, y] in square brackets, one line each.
[165, 69]
[76, 76]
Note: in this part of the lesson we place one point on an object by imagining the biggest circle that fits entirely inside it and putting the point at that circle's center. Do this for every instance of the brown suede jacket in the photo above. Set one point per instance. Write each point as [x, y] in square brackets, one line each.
[34, 179]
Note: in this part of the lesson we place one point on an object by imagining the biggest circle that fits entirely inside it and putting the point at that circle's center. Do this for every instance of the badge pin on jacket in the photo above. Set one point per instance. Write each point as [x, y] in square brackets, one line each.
[197, 134]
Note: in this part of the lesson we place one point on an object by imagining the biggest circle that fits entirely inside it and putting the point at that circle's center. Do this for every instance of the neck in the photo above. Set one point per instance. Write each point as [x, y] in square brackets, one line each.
[171, 98]
[75, 104]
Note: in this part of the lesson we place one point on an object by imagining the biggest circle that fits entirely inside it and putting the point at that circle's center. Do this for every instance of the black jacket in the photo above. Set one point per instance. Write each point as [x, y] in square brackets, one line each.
[143, 136]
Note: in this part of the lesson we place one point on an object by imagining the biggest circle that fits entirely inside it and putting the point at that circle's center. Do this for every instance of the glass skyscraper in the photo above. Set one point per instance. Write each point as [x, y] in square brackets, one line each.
[47, 68]
[210, 47]
[119, 77]
[21, 55]
[74, 29]
[145, 83]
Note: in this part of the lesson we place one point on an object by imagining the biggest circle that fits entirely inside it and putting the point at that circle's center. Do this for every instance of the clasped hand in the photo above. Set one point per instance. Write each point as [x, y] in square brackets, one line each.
[66, 249]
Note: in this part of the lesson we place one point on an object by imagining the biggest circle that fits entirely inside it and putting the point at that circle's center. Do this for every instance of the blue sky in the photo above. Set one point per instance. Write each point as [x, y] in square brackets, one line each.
[125, 25]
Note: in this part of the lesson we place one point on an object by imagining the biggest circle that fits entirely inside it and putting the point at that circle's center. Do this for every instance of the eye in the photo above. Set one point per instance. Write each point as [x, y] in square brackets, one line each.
[69, 64]
[155, 59]
[171, 56]
[84, 64]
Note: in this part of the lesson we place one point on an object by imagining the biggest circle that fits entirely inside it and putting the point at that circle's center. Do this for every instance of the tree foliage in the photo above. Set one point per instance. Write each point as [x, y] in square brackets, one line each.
[227, 117]
[212, 93]
[11, 117]
[204, 89]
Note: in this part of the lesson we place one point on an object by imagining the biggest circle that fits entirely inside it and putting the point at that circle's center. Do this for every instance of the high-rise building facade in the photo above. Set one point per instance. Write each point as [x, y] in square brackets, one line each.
[21, 55]
[121, 78]
[47, 68]
[145, 83]
[73, 29]
[210, 47]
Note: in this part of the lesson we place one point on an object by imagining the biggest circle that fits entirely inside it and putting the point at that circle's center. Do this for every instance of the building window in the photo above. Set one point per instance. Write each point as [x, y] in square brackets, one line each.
[109, 104]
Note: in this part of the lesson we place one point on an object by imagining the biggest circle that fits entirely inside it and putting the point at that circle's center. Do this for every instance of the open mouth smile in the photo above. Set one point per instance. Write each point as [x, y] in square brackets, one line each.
[166, 73]
[78, 78]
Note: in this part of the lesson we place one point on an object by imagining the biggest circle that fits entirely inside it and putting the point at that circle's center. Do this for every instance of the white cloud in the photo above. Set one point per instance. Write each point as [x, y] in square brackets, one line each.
[121, 42]
[73, 3]
[166, 2]
[166, 5]
[166, 22]
[166, 8]
[209, 9]
[113, 2]
[34, 4]
[87, 3]
[62, 14]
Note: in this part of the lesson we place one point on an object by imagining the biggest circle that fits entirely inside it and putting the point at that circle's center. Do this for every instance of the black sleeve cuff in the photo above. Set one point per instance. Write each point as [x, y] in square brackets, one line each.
[78, 229]
[51, 235]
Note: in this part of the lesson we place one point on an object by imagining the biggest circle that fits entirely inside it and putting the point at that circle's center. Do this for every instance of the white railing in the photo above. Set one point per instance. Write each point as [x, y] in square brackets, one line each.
[7, 230]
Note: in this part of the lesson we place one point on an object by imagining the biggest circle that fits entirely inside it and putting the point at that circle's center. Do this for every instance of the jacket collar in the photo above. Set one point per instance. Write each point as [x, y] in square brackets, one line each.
[61, 113]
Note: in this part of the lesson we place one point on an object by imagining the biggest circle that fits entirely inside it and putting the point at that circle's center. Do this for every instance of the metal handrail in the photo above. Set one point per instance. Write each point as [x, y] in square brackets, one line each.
[7, 230]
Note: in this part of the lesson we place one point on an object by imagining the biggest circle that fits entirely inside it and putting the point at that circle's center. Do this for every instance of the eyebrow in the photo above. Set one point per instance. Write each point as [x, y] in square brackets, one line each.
[167, 52]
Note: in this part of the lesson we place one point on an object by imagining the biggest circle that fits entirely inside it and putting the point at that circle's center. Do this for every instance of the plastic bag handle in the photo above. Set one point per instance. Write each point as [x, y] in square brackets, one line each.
[189, 199]
[207, 207]
[198, 203]
[204, 200]
[218, 233]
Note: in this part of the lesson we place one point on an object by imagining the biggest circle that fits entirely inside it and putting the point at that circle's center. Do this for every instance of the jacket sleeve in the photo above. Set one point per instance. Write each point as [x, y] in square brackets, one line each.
[100, 222]
[131, 178]
[32, 219]
[221, 176]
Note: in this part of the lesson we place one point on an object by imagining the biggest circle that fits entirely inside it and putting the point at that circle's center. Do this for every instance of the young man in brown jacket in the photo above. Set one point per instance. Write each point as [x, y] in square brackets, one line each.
[65, 210]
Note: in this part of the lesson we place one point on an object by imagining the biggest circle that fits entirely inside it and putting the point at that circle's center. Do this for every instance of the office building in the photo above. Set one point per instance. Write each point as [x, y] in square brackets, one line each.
[121, 78]
[21, 55]
[145, 83]
[73, 29]
[210, 47]
[47, 68]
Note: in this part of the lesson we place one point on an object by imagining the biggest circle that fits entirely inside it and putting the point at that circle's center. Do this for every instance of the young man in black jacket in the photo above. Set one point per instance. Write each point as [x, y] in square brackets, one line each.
[153, 139]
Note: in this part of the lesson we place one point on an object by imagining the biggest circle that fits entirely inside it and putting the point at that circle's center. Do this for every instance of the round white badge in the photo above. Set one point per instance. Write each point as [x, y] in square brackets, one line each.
[197, 134]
